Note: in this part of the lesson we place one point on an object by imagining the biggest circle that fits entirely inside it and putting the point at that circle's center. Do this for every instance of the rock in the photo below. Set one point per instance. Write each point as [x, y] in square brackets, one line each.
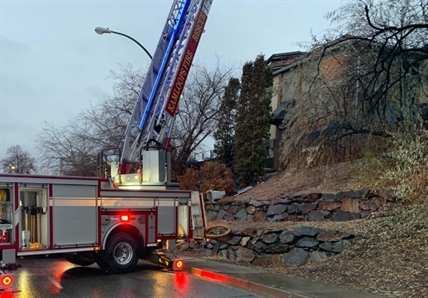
[341, 246]
[276, 249]
[249, 232]
[364, 205]
[317, 256]
[216, 248]
[329, 205]
[345, 216]
[296, 257]
[312, 197]
[259, 216]
[351, 194]
[269, 238]
[221, 214]
[268, 260]
[318, 215]
[244, 241]
[306, 231]
[308, 242]
[256, 203]
[236, 208]
[375, 203]
[258, 247]
[234, 240]
[287, 237]
[211, 215]
[241, 215]
[276, 209]
[295, 208]
[330, 236]
[244, 255]
[306, 208]
[228, 254]
[280, 200]
[207, 252]
[366, 214]
[223, 246]
[328, 197]
[229, 216]
[350, 205]
[327, 246]
[251, 209]
[277, 218]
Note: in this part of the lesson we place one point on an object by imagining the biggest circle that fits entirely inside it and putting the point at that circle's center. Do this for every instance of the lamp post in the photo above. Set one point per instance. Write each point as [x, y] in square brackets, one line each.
[101, 30]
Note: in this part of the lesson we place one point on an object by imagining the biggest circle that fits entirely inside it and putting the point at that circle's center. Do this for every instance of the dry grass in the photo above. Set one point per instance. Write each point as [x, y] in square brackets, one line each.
[327, 179]
[389, 255]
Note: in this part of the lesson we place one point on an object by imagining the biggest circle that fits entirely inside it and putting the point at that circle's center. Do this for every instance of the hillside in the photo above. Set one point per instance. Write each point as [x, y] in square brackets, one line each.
[390, 253]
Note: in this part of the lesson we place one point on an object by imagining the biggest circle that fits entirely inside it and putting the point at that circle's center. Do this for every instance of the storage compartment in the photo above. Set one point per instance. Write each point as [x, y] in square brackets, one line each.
[34, 217]
[6, 216]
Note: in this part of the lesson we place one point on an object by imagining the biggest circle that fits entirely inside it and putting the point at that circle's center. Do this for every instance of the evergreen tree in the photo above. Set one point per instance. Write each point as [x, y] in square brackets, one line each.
[252, 121]
[225, 134]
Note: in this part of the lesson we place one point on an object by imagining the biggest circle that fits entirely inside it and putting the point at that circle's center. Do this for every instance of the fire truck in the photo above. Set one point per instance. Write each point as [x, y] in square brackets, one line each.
[132, 210]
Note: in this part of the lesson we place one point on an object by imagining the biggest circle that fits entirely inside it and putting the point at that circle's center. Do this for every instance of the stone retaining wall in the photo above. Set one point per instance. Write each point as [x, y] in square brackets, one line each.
[341, 206]
[261, 247]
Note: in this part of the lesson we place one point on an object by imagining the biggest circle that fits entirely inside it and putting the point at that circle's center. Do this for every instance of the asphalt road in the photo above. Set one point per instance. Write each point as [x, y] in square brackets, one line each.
[54, 277]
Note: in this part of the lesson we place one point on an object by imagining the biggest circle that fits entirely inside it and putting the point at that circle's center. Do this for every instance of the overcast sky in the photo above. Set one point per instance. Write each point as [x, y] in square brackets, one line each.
[53, 63]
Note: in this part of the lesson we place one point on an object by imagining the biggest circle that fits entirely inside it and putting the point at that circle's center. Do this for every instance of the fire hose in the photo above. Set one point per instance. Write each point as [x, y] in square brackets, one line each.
[213, 236]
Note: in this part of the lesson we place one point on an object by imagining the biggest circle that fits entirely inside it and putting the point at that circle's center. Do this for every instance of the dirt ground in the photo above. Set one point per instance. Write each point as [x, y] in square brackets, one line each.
[389, 256]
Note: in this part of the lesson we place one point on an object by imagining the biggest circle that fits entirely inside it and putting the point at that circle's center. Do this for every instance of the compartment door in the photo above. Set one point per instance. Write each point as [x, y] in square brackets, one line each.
[74, 215]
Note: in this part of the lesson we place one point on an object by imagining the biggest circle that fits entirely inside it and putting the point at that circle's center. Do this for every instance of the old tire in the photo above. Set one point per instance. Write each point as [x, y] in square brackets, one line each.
[121, 254]
[82, 259]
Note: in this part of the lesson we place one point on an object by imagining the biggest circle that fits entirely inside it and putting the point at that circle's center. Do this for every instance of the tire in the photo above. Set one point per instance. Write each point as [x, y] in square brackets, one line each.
[121, 254]
[81, 259]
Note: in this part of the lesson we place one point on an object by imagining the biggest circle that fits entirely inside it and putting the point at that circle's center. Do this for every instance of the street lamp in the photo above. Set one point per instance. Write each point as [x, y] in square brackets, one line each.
[101, 30]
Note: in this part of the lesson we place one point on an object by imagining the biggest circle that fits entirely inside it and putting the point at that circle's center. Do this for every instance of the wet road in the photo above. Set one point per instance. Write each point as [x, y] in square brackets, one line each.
[54, 277]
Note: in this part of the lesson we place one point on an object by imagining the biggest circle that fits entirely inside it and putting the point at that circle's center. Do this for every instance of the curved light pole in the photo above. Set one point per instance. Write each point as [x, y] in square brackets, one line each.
[101, 30]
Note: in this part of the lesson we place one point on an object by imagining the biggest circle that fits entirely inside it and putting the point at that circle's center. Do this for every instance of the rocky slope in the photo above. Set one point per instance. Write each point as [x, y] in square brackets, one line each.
[389, 254]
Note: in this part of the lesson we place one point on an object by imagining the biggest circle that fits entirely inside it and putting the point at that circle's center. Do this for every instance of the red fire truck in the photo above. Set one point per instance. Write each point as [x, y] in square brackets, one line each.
[133, 212]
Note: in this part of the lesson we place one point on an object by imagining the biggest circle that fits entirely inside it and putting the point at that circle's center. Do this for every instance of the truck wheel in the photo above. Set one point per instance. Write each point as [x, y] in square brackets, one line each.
[81, 259]
[121, 253]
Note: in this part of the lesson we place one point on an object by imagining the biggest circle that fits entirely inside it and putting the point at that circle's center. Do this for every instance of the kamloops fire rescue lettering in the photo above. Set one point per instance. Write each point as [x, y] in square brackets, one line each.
[132, 212]
[177, 89]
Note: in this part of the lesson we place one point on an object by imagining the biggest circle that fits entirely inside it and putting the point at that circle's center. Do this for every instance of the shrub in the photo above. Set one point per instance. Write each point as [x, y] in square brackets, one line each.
[211, 176]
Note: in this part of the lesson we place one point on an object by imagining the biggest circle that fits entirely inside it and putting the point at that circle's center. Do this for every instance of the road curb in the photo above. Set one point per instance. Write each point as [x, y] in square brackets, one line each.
[241, 283]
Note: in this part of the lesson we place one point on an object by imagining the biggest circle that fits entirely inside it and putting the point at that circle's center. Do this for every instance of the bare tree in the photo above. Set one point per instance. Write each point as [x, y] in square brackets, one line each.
[73, 149]
[18, 161]
[198, 111]
[361, 80]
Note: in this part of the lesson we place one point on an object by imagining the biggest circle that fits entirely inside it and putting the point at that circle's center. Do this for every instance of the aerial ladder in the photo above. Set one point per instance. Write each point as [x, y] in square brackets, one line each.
[145, 158]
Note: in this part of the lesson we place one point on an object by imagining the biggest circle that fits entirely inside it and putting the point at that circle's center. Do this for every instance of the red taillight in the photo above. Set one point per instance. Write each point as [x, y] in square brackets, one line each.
[177, 265]
[6, 280]
[124, 218]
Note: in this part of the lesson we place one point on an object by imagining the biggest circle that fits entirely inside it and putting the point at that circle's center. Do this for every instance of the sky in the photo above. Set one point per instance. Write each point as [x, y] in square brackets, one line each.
[53, 64]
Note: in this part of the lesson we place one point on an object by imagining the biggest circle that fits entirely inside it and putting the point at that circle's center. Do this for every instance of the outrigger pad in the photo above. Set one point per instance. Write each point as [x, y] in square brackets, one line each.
[9, 256]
